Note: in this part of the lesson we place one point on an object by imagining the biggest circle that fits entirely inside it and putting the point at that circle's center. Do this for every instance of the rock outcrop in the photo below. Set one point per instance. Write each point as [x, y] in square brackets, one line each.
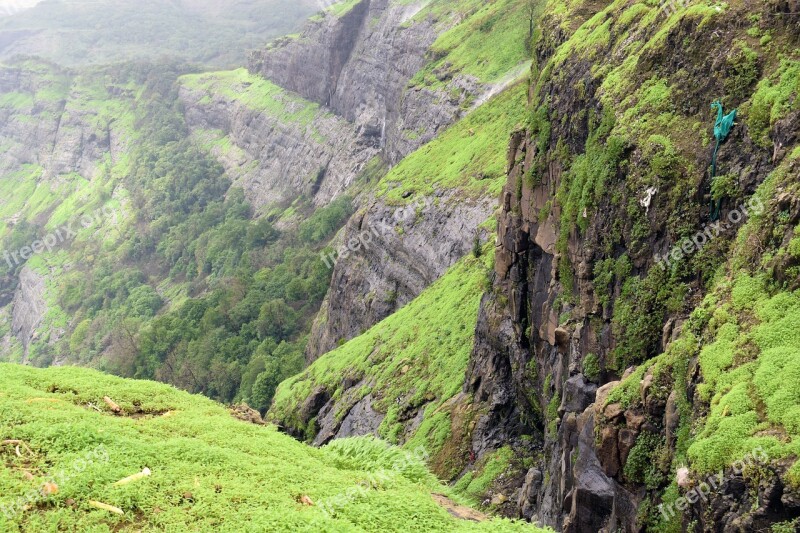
[404, 250]
[57, 132]
[272, 156]
[28, 307]
[358, 65]
[554, 328]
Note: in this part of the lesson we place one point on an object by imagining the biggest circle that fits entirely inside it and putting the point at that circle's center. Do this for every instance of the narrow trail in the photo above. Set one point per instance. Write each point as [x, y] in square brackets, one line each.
[459, 511]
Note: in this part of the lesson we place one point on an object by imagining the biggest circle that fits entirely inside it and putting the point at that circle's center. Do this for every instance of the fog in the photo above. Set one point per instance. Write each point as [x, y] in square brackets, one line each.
[210, 32]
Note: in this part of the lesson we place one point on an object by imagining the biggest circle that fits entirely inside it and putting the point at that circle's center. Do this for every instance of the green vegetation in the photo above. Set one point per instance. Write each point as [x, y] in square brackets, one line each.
[190, 289]
[418, 354]
[469, 156]
[745, 336]
[773, 100]
[489, 41]
[591, 367]
[208, 470]
[256, 93]
[475, 484]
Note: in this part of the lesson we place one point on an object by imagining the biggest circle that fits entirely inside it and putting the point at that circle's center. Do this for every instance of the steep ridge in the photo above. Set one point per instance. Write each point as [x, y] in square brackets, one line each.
[61, 135]
[608, 179]
[273, 144]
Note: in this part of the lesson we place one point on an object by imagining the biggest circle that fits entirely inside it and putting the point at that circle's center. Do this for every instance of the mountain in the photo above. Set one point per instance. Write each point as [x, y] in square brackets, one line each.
[81, 32]
[533, 239]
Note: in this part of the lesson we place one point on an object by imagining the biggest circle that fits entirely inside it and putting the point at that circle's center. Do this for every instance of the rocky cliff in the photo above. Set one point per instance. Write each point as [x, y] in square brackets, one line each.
[363, 79]
[272, 143]
[61, 135]
[358, 64]
[359, 61]
[608, 178]
[47, 119]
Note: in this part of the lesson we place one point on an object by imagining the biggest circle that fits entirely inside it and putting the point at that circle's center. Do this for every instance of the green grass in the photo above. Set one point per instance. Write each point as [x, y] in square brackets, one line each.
[773, 100]
[419, 354]
[254, 92]
[470, 155]
[488, 42]
[342, 8]
[210, 472]
[17, 101]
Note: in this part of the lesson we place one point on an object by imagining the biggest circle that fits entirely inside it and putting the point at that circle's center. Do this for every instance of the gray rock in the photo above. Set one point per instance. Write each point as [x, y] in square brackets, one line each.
[577, 395]
[28, 307]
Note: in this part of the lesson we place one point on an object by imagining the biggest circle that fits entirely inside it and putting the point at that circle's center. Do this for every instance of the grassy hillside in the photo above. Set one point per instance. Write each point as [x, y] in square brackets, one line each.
[209, 471]
[487, 43]
[470, 156]
[418, 355]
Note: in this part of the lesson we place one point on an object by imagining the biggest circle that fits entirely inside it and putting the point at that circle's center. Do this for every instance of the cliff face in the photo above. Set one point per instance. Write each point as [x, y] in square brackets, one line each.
[60, 135]
[28, 307]
[404, 251]
[607, 178]
[46, 120]
[358, 64]
[272, 143]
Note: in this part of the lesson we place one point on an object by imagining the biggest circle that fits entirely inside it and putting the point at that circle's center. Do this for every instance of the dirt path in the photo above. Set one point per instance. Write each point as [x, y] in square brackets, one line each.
[459, 511]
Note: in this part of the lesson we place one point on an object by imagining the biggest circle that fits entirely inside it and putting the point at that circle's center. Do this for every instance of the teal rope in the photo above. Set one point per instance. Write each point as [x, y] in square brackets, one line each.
[716, 205]
[722, 128]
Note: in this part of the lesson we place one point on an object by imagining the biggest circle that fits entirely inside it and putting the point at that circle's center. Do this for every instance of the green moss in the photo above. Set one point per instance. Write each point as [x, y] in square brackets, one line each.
[774, 98]
[743, 71]
[491, 466]
[643, 464]
[586, 182]
[552, 414]
[591, 367]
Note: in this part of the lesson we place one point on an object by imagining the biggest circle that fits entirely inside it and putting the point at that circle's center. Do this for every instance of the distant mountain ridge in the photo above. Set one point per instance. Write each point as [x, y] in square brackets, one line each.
[81, 32]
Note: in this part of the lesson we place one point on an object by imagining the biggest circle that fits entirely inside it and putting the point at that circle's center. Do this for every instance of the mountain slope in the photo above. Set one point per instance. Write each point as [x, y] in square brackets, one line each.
[209, 472]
